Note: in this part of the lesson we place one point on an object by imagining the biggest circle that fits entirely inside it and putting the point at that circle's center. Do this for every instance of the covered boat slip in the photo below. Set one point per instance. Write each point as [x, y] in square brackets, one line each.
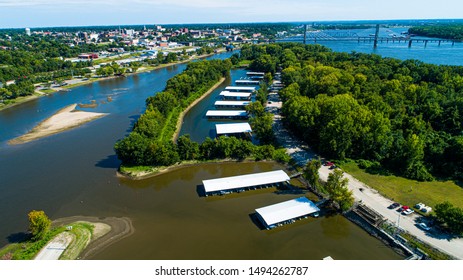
[227, 114]
[255, 75]
[240, 89]
[286, 212]
[247, 82]
[244, 182]
[231, 104]
[233, 129]
[237, 96]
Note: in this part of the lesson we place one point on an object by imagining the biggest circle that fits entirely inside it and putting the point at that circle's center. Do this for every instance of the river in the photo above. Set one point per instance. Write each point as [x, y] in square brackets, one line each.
[74, 173]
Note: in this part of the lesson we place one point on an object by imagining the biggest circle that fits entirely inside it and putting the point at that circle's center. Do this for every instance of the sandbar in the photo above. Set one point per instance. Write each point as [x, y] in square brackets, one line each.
[63, 120]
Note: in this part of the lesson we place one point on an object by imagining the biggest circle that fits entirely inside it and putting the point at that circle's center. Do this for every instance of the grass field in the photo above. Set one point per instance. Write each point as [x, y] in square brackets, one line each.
[406, 191]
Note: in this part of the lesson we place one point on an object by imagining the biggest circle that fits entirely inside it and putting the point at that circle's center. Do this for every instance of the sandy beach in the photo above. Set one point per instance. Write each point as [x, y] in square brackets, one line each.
[63, 120]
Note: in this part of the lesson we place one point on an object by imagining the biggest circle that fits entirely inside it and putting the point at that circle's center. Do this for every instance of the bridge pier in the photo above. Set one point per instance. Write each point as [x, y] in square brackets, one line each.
[410, 43]
[425, 43]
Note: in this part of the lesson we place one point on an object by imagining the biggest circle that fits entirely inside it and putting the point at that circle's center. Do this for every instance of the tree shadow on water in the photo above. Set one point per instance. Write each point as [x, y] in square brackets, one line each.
[18, 237]
[111, 162]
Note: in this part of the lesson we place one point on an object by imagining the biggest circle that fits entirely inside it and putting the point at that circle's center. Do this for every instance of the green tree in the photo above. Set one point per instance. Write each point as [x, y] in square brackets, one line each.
[336, 186]
[187, 149]
[311, 172]
[39, 224]
[451, 216]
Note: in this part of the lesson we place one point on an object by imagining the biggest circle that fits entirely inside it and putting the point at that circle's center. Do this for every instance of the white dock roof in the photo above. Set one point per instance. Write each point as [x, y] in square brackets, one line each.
[249, 82]
[287, 210]
[243, 181]
[236, 88]
[226, 113]
[233, 128]
[255, 73]
[231, 103]
[235, 94]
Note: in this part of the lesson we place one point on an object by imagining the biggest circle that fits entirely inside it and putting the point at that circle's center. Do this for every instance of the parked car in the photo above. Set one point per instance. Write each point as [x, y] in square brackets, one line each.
[408, 211]
[426, 209]
[424, 226]
[419, 206]
[403, 208]
[329, 163]
[393, 205]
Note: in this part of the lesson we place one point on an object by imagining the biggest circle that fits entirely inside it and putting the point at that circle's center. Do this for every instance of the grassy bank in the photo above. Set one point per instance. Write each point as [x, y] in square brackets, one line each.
[406, 191]
[27, 250]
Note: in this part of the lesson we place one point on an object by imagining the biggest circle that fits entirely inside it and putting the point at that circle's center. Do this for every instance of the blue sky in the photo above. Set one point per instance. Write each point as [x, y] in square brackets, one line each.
[41, 13]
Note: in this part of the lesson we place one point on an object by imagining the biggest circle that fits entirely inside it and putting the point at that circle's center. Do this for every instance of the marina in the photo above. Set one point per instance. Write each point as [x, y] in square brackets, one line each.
[231, 114]
[246, 182]
[238, 96]
[247, 82]
[231, 104]
[233, 129]
[286, 212]
[240, 89]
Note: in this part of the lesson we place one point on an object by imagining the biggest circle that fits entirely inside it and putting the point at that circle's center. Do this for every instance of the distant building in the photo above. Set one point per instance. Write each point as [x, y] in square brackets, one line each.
[88, 56]
[28, 31]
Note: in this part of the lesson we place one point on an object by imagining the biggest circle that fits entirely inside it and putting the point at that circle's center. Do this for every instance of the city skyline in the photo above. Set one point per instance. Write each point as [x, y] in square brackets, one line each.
[49, 13]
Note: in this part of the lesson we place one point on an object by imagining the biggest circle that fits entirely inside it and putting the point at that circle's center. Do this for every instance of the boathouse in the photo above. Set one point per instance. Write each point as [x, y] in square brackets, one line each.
[244, 182]
[231, 104]
[240, 89]
[227, 95]
[233, 129]
[247, 82]
[223, 114]
[286, 212]
[255, 75]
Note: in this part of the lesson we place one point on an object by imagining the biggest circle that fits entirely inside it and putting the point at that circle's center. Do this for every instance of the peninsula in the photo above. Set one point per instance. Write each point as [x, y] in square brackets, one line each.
[63, 120]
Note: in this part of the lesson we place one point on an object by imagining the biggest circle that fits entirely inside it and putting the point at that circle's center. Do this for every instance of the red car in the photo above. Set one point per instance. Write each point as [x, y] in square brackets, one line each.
[403, 208]
[329, 163]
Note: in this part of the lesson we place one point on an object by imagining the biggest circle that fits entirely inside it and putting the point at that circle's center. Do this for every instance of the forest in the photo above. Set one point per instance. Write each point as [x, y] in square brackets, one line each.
[393, 116]
[150, 142]
[445, 31]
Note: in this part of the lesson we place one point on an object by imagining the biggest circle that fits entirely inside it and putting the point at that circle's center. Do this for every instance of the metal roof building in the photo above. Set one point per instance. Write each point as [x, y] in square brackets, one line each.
[243, 182]
[227, 114]
[231, 104]
[284, 212]
[240, 89]
[255, 74]
[236, 95]
[233, 128]
[247, 82]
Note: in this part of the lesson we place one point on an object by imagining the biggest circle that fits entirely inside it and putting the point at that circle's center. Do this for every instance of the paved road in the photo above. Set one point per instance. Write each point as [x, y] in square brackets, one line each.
[56, 247]
[370, 197]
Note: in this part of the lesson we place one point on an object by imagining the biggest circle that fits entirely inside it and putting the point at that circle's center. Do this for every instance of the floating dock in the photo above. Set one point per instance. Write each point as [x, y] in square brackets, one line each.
[231, 104]
[233, 129]
[240, 89]
[221, 114]
[237, 96]
[241, 183]
[286, 212]
[255, 75]
[247, 82]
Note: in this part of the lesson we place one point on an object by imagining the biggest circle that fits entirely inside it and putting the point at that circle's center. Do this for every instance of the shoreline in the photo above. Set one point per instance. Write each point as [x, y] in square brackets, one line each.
[120, 229]
[38, 94]
[184, 112]
[63, 120]
[142, 175]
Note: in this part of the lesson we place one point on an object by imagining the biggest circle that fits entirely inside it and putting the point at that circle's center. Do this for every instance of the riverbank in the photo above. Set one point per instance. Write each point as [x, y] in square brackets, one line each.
[65, 119]
[71, 238]
[145, 172]
[81, 82]
[182, 114]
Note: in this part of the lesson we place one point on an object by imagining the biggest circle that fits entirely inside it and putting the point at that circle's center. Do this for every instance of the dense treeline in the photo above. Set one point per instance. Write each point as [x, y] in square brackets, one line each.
[439, 31]
[405, 116]
[150, 143]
